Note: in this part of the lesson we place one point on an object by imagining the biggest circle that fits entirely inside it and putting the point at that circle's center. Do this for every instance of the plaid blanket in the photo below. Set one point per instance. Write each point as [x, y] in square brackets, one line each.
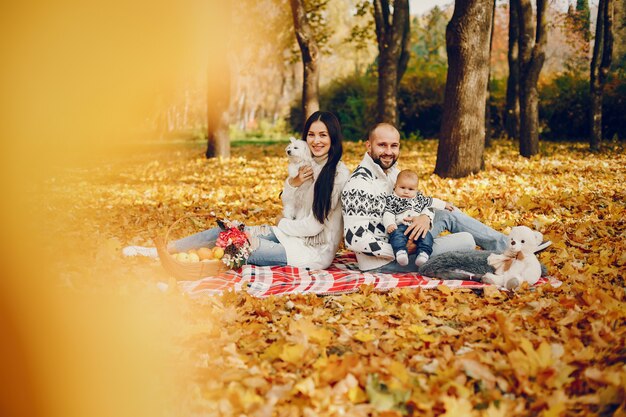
[341, 277]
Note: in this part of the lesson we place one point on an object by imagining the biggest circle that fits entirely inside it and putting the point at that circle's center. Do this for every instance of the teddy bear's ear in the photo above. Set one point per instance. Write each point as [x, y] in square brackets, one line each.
[538, 237]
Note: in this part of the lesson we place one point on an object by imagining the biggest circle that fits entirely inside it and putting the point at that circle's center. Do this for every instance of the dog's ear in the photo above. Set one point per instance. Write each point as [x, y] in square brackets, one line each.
[292, 139]
[538, 237]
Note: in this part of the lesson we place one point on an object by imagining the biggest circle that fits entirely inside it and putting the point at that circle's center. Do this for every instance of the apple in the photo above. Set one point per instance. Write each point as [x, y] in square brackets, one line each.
[193, 257]
[218, 252]
[205, 253]
[182, 257]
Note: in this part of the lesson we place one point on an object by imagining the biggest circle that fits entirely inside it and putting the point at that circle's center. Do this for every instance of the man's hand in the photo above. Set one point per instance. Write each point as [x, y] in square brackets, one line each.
[419, 226]
[391, 228]
[449, 206]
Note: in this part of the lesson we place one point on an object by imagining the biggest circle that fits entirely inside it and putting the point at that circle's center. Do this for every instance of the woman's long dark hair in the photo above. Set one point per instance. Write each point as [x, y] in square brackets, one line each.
[325, 182]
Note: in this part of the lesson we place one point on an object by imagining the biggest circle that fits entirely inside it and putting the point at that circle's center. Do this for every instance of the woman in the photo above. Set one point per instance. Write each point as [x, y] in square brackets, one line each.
[311, 240]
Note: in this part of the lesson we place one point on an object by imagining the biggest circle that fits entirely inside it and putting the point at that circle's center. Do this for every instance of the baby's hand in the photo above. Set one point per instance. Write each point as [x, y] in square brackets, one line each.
[449, 206]
[391, 228]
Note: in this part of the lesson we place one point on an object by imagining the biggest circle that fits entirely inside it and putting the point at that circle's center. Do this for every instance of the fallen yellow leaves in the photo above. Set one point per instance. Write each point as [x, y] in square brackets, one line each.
[540, 351]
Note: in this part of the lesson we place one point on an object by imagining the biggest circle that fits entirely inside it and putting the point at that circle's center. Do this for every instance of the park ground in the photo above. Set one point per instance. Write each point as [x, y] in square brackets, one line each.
[539, 351]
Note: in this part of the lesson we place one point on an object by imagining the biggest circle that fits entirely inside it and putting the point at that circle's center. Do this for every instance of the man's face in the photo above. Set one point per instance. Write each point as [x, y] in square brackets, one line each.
[383, 146]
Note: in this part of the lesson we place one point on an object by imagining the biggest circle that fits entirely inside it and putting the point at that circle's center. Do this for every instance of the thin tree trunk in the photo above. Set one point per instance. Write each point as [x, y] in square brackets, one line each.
[532, 41]
[310, 59]
[462, 141]
[393, 35]
[218, 91]
[511, 112]
[600, 65]
[488, 130]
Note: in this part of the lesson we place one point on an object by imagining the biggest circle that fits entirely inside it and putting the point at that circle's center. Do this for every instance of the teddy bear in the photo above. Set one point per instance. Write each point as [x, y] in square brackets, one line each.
[518, 263]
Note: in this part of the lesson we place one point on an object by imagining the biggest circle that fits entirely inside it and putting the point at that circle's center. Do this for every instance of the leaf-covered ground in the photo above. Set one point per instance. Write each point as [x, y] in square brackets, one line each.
[542, 351]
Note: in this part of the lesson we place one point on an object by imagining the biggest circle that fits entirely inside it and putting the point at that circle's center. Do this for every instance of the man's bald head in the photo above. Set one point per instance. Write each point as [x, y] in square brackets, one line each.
[383, 129]
[383, 145]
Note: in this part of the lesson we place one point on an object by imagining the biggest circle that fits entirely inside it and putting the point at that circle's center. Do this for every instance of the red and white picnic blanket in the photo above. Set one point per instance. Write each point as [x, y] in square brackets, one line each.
[341, 277]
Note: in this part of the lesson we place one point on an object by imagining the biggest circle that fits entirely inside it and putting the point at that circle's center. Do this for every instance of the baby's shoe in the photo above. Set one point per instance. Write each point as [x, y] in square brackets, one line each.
[402, 258]
[140, 251]
[421, 259]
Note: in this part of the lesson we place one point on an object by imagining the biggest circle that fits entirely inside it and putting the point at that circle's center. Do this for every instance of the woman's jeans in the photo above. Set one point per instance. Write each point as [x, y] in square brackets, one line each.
[398, 241]
[269, 252]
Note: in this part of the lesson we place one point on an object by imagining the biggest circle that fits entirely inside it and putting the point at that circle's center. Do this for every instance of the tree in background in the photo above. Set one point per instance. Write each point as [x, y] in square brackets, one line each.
[393, 35]
[462, 138]
[532, 42]
[218, 97]
[511, 110]
[310, 58]
[487, 104]
[428, 40]
[600, 65]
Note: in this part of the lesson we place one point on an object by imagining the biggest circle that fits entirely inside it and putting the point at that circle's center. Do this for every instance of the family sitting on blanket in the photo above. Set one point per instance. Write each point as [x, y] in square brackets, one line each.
[312, 238]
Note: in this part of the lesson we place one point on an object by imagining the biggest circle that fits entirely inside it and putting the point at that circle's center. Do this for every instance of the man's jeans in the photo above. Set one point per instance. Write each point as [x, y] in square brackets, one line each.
[269, 253]
[398, 241]
[466, 233]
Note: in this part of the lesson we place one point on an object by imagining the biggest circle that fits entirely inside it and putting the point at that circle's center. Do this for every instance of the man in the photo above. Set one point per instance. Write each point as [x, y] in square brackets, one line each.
[363, 200]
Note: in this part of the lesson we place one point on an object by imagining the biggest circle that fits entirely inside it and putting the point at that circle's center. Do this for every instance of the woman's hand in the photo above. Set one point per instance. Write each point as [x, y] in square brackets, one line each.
[305, 173]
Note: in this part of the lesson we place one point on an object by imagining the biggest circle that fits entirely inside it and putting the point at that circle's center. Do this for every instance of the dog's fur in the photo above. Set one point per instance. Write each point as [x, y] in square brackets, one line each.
[298, 154]
[518, 263]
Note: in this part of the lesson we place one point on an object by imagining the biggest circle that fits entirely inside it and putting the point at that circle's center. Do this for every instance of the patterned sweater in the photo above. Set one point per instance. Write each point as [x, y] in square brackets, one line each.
[398, 208]
[363, 201]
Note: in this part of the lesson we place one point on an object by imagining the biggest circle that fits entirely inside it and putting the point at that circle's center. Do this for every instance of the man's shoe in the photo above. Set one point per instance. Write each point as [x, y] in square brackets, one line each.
[543, 245]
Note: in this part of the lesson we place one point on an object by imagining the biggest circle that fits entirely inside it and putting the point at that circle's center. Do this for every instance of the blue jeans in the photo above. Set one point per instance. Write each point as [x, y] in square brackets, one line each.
[398, 241]
[456, 221]
[466, 233]
[269, 253]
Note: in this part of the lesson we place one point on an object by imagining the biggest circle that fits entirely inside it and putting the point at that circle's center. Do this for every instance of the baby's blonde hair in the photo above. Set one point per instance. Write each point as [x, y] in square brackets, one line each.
[409, 175]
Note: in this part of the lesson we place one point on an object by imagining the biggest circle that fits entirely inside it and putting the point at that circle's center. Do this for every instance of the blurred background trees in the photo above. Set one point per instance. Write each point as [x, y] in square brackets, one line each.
[267, 73]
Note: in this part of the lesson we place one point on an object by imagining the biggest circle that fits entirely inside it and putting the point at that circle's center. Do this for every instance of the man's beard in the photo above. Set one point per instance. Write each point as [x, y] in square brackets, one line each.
[380, 163]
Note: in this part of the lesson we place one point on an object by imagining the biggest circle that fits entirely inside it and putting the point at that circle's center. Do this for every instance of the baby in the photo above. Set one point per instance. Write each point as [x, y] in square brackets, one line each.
[407, 201]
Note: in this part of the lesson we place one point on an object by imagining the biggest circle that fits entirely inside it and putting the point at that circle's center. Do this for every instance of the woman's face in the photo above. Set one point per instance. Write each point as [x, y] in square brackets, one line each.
[318, 139]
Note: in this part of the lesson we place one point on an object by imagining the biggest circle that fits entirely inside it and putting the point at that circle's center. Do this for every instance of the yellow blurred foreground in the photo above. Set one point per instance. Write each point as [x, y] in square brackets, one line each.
[78, 81]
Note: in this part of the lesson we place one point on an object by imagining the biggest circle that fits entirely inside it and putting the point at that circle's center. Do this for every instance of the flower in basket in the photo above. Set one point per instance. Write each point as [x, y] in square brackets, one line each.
[235, 243]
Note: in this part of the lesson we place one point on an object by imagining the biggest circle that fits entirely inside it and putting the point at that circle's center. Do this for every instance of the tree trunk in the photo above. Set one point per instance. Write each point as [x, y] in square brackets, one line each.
[310, 59]
[393, 35]
[218, 90]
[488, 130]
[600, 65]
[511, 111]
[532, 42]
[462, 141]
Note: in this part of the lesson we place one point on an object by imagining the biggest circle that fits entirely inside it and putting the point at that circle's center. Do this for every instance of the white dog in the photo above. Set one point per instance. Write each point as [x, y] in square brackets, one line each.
[518, 263]
[298, 154]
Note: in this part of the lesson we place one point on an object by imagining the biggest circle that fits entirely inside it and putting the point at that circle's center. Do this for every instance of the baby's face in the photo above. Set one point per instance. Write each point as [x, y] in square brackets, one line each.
[406, 187]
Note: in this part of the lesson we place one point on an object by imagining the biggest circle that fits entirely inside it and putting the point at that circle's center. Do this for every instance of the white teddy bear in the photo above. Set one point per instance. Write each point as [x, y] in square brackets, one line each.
[518, 263]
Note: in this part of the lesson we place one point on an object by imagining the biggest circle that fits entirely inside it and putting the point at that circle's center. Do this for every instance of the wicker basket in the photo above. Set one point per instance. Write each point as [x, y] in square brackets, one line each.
[187, 271]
